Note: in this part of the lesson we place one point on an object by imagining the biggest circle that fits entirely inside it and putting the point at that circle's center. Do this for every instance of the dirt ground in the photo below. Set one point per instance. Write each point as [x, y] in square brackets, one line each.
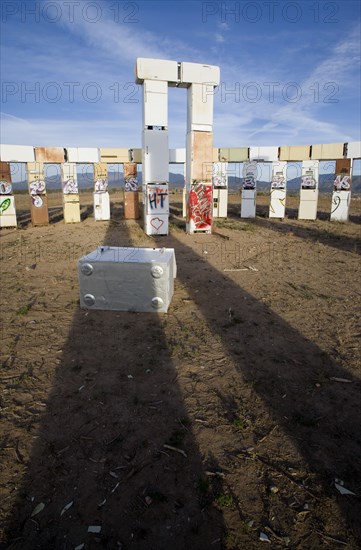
[220, 425]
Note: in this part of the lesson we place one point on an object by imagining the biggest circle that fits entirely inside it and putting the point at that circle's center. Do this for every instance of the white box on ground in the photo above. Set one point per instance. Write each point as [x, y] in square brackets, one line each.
[101, 206]
[127, 279]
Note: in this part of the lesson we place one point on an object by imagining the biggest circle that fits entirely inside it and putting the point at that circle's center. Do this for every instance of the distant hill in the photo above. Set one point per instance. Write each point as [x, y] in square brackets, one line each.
[177, 181]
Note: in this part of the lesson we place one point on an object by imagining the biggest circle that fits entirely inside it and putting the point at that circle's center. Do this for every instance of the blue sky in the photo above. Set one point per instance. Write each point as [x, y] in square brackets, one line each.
[68, 70]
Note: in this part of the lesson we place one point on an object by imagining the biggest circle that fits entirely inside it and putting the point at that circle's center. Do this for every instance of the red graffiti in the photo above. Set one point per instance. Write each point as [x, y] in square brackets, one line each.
[200, 205]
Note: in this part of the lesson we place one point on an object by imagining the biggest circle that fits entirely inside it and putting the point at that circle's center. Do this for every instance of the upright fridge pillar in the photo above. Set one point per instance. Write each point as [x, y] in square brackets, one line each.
[200, 81]
[220, 189]
[131, 192]
[7, 199]
[249, 190]
[155, 75]
[307, 209]
[277, 206]
[341, 196]
[71, 205]
[101, 195]
[37, 190]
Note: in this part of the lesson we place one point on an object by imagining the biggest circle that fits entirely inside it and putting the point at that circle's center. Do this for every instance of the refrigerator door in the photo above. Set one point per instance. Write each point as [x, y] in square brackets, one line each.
[155, 103]
[83, 154]
[196, 73]
[199, 108]
[39, 210]
[17, 153]
[50, 154]
[156, 69]
[101, 206]
[199, 165]
[307, 209]
[155, 156]
[278, 203]
[354, 150]
[131, 205]
[7, 211]
[340, 206]
[157, 199]
[248, 205]
[200, 207]
[71, 207]
[156, 224]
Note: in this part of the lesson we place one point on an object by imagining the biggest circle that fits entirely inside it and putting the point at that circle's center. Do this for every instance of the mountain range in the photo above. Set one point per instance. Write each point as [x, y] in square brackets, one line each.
[177, 181]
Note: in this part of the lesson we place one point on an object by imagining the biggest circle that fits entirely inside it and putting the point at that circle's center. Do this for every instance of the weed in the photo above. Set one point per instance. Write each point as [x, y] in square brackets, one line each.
[225, 500]
[239, 423]
[24, 310]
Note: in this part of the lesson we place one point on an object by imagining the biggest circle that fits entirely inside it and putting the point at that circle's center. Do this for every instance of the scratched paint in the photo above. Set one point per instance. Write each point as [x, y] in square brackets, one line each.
[200, 206]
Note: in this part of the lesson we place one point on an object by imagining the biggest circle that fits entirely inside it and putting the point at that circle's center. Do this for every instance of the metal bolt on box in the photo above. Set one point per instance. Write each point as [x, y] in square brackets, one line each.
[127, 279]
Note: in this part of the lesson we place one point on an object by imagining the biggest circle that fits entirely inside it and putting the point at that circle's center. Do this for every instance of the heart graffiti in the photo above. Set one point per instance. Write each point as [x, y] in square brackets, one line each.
[156, 223]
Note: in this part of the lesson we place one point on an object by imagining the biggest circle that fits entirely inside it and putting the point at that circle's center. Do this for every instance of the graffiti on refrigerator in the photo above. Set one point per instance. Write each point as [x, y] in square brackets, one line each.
[200, 205]
[249, 175]
[342, 183]
[131, 184]
[101, 185]
[156, 223]
[157, 198]
[5, 187]
[37, 187]
[308, 181]
[4, 205]
[37, 201]
[278, 182]
[70, 187]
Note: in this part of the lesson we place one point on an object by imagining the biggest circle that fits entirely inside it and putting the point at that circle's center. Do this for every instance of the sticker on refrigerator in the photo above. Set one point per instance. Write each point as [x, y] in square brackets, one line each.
[200, 205]
[37, 187]
[70, 187]
[5, 187]
[101, 185]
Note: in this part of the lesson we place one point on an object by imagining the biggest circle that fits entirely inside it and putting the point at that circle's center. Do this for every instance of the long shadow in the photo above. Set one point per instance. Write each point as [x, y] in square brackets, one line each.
[340, 242]
[117, 365]
[293, 378]
[113, 404]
